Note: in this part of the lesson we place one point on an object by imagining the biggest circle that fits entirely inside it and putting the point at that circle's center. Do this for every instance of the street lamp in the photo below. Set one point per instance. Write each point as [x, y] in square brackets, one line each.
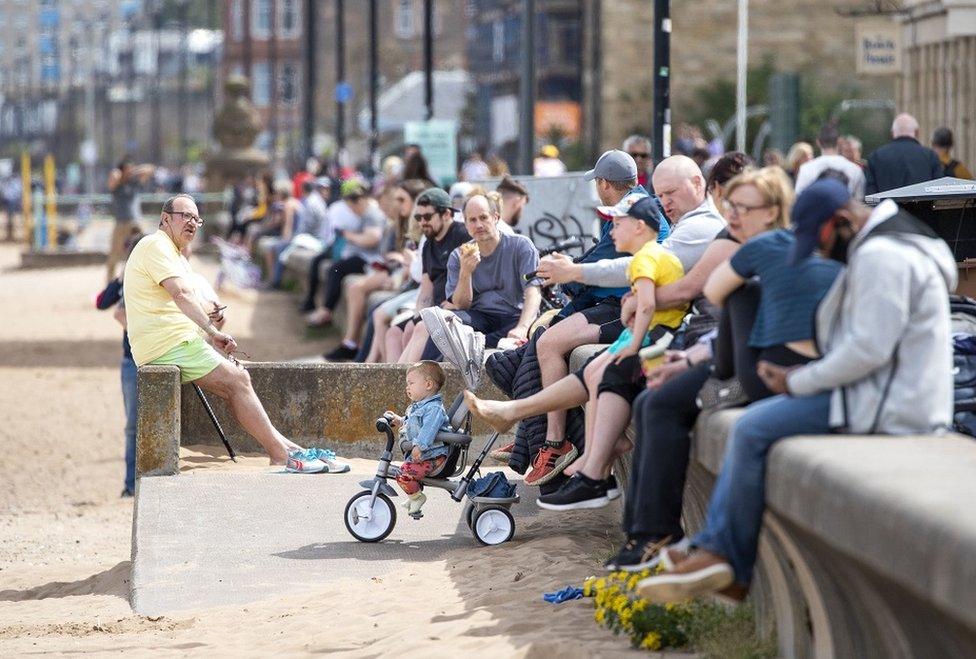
[742, 62]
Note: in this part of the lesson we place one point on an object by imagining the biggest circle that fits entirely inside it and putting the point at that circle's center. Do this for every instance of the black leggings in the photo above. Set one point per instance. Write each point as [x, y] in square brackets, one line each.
[733, 354]
[354, 265]
[313, 278]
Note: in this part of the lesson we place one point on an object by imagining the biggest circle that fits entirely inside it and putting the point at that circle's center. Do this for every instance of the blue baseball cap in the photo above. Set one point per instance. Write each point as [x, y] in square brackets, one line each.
[638, 205]
[813, 207]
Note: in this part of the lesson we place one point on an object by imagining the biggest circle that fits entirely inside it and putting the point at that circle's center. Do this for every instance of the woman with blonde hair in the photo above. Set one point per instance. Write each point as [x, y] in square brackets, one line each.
[769, 305]
[798, 154]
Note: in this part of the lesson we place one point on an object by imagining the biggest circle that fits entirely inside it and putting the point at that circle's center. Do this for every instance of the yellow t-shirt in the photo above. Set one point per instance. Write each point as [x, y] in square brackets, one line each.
[154, 322]
[662, 267]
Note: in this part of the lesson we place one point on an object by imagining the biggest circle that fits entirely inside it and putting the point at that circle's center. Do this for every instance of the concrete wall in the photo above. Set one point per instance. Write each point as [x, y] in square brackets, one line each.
[313, 404]
[866, 549]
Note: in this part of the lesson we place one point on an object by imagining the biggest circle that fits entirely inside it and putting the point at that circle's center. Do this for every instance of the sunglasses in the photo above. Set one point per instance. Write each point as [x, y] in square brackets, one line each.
[636, 155]
[423, 217]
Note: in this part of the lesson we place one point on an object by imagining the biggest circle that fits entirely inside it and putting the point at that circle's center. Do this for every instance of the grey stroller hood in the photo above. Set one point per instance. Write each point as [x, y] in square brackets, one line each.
[459, 343]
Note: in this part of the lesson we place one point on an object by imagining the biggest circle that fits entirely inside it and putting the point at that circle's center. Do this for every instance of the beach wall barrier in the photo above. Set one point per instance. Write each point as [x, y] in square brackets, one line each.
[868, 542]
[325, 405]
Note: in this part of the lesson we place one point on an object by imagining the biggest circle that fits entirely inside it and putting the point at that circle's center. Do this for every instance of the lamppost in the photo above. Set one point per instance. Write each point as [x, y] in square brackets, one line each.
[661, 132]
[527, 89]
[742, 63]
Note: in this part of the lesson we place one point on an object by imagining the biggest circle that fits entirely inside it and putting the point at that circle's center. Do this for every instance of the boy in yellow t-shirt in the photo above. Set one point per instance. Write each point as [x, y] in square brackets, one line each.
[635, 229]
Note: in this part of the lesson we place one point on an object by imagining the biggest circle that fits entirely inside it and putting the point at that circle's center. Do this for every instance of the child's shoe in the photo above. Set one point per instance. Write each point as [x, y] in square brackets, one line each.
[414, 503]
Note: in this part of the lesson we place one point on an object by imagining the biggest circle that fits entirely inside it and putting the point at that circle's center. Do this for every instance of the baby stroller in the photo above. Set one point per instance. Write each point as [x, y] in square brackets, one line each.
[236, 266]
[370, 514]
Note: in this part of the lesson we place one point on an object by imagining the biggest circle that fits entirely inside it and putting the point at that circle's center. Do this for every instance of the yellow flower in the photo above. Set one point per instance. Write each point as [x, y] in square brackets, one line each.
[599, 616]
[652, 641]
[639, 605]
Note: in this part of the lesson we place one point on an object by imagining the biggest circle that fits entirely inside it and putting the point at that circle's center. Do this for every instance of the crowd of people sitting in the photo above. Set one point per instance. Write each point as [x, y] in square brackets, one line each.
[764, 278]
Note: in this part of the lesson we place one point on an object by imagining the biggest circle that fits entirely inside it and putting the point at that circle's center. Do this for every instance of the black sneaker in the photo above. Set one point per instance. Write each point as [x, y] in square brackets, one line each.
[341, 353]
[639, 554]
[613, 490]
[577, 493]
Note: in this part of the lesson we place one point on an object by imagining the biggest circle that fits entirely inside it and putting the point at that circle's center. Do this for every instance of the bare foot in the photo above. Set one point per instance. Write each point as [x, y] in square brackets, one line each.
[495, 413]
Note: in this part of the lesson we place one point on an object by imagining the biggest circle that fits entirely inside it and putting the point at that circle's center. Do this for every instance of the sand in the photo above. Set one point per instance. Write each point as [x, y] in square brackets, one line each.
[65, 533]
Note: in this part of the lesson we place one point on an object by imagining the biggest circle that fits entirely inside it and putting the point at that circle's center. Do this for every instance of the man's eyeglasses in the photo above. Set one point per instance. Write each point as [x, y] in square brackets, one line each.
[741, 209]
[188, 217]
[636, 154]
[423, 217]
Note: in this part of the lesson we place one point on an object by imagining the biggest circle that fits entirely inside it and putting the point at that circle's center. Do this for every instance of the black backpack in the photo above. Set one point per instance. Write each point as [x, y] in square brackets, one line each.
[963, 311]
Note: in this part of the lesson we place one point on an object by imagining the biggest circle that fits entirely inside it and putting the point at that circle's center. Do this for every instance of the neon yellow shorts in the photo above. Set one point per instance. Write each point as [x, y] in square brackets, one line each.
[195, 358]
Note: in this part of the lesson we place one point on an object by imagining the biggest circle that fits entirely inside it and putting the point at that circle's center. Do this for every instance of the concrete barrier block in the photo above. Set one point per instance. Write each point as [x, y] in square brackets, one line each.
[319, 404]
[894, 504]
[61, 258]
[158, 424]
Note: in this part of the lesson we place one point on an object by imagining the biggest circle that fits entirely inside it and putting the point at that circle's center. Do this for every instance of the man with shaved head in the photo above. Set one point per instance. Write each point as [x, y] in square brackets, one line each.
[902, 161]
[680, 185]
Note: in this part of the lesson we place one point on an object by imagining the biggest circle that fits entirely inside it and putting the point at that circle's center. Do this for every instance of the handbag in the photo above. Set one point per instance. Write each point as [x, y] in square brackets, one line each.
[718, 394]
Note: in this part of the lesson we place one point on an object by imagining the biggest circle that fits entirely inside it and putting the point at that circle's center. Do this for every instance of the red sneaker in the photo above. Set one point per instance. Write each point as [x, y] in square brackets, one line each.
[504, 453]
[550, 462]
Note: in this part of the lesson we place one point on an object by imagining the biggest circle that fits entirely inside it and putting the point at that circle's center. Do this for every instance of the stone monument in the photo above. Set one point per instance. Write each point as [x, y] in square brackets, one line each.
[236, 126]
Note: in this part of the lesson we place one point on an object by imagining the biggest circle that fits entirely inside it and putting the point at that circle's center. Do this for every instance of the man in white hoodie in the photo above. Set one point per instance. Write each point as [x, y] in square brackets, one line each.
[886, 367]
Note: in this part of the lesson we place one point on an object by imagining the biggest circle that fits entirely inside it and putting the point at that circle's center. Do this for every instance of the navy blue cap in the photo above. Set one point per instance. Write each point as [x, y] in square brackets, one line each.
[813, 207]
[645, 210]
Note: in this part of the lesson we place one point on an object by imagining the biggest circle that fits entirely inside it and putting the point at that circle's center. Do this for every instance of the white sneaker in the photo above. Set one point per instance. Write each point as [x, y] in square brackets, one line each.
[298, 464]
[416, 502]
[325, 456]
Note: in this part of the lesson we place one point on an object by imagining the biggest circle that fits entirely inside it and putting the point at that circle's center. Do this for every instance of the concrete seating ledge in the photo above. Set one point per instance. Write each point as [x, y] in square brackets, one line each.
[868, 542]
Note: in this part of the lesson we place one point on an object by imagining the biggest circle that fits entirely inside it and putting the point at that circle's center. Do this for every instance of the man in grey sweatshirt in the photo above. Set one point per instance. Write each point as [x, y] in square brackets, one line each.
[886, 367]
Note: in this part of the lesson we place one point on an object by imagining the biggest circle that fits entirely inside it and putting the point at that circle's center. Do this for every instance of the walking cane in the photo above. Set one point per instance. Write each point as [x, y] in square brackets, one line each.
[213, 417]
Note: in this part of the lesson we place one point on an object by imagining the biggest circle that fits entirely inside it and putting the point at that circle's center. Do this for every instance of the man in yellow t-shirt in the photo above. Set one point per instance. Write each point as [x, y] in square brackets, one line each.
[167, 325]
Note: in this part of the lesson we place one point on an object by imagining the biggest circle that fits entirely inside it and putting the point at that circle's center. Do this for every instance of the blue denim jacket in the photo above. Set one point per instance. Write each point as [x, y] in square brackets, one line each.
[425, 419]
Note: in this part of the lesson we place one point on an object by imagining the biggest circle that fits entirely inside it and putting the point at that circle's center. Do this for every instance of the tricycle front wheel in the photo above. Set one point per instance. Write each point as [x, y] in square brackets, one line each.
[370, 523]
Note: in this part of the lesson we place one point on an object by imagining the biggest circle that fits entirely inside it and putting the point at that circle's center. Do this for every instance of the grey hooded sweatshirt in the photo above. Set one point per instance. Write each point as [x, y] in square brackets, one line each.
[883, 330]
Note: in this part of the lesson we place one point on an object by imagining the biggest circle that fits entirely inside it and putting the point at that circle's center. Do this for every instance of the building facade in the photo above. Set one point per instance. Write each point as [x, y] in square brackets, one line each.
[494, 49]
[264, 41]
[938, 79]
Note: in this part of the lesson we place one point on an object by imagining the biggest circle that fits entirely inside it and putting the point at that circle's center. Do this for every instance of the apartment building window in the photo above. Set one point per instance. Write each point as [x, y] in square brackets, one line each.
[288, 83]
[404, 19]
[261, 19]
[498, 41]
[237, 20]
[289, 22]
[261, 74]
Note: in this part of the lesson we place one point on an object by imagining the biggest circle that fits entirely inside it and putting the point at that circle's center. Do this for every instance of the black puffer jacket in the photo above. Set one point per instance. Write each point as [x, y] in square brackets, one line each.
[516, 373]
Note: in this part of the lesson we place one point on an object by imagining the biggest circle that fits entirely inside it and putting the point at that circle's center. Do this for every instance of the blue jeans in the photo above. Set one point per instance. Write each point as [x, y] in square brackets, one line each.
[735, 511]
[130, 401]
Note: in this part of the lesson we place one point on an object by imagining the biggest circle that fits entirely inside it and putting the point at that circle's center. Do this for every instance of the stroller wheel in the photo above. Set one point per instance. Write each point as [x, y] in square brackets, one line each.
[468, 514]
[370, 524]
[493, 525]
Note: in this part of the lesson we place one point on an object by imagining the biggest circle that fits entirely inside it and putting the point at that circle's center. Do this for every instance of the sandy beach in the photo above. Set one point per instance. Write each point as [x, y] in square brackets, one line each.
[65, 534]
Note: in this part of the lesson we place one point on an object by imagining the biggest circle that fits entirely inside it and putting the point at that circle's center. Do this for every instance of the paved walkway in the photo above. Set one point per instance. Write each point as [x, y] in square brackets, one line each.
[207, 538]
